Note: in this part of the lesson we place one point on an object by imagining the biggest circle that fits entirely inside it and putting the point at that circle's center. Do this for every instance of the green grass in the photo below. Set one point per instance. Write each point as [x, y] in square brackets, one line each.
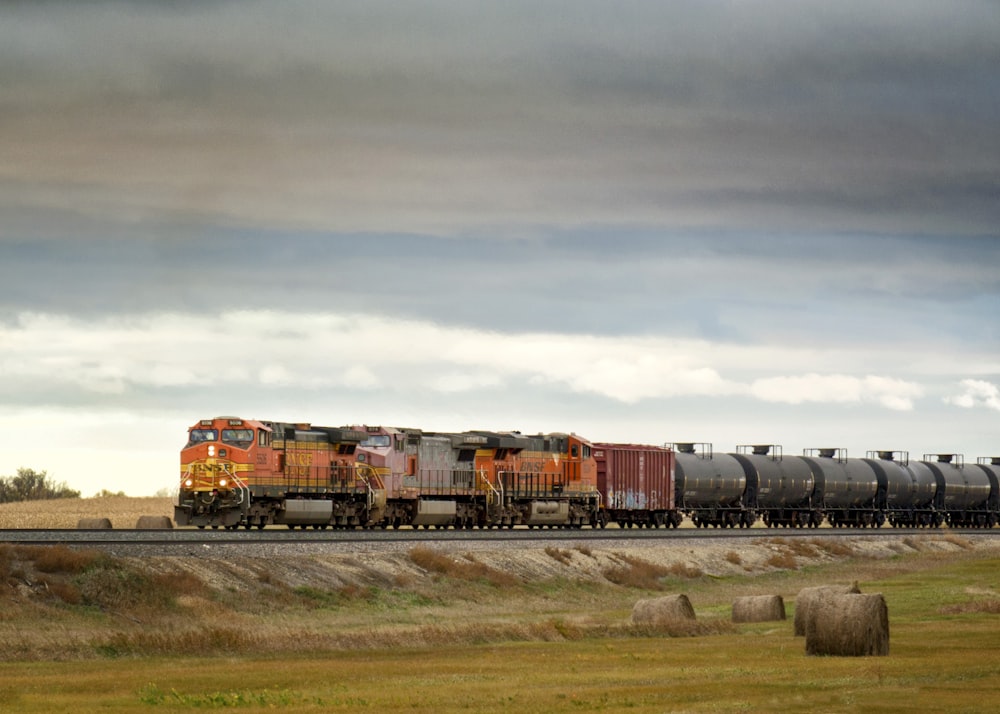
[763, 669]
[567, 652]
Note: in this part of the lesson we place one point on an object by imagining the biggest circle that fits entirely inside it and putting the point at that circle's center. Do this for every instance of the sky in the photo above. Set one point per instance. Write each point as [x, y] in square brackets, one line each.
[728, 222]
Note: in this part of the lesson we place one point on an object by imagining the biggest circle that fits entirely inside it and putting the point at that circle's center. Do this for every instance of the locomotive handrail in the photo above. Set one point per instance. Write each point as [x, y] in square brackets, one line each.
[359, 469]
[243, 499]
[184, 477]
[484, 478]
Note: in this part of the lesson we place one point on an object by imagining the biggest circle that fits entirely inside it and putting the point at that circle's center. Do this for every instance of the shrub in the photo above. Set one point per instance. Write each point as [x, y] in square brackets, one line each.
[557, 554]
[990, 606]
[467, 569]
[637, 573]
[31, 485]
[60, 559]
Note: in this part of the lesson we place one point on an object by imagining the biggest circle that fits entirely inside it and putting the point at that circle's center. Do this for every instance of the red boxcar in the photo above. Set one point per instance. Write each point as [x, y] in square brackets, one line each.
[636, 484]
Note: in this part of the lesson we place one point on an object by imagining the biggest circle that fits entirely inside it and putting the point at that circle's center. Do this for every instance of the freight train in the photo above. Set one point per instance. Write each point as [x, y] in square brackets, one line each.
[759, 481]
[242, 472]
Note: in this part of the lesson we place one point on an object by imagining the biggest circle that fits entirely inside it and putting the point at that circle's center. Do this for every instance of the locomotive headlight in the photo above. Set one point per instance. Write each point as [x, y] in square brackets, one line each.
[222, 482]
[211, 449]
[189, 483]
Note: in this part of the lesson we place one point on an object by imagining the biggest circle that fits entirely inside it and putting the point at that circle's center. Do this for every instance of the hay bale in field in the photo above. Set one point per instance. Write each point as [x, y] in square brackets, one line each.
[848, 626]
[807, 596]
[93, 524]
[662, 610]
[153, 522]
[759, 608]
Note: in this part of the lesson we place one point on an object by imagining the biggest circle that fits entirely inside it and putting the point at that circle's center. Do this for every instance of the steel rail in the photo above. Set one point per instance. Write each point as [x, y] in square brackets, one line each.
[189, 537]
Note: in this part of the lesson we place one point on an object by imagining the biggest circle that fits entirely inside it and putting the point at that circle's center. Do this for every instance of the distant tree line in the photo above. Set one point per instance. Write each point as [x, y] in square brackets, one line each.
[31, 485]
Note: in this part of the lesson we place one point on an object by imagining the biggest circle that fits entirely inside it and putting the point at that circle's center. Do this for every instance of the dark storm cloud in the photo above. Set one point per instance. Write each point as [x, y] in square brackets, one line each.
[739, 288]
[461, 118]
[728, 221]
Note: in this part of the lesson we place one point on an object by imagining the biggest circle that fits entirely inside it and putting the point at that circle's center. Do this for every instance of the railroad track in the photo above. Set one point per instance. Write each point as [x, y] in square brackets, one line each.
[188, 537]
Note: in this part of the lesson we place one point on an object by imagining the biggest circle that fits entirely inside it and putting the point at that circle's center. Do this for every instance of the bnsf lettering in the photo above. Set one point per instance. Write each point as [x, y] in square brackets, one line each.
[299, 458]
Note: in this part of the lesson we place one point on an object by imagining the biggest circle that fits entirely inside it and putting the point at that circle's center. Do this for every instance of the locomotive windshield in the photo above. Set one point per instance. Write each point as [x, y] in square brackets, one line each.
[199, 436]
[238, 437]
[377, 441]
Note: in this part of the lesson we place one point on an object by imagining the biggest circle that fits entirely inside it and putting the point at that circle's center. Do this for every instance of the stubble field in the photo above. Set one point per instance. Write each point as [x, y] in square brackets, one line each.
[123, 511]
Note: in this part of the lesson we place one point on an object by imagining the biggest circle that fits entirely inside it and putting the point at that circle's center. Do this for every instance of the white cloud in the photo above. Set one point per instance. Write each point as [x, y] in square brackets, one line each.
[891, 393]
[364, 352]
[122, 392]
[465, 382]
[977, 393]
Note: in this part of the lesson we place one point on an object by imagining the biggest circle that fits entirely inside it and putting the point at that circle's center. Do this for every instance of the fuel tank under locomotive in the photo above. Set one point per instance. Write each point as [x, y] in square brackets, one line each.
[713, 489]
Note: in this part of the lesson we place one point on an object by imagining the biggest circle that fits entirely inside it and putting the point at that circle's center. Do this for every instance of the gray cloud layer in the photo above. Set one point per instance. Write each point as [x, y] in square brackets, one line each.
[460, 118]
[738, 289]
[720, 221]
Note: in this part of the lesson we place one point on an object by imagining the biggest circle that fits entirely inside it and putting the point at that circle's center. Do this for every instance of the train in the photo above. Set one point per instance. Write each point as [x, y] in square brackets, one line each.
[760, 481]
[248, 473]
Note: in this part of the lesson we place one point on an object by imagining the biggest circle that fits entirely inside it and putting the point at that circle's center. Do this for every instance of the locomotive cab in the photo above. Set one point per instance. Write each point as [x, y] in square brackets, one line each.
[215, 463]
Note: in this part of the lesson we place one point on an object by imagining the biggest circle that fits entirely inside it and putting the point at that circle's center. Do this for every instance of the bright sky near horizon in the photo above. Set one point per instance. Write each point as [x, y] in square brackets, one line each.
[729, 222]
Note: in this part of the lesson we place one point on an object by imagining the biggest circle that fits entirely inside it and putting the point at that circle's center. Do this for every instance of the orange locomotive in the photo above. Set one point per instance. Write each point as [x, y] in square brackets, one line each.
[252, 473]
[255, 473]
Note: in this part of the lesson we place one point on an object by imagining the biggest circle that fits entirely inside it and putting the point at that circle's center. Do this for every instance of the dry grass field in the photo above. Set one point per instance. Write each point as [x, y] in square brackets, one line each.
[123, 511]
[458, 629]
[459, 632]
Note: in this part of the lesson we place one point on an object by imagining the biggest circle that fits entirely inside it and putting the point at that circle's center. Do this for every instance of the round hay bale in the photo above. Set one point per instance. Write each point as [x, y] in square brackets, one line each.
[759, 608]
[807, 596]
[153, 522]
[93, 524]
[848, 626]
[662, 610]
